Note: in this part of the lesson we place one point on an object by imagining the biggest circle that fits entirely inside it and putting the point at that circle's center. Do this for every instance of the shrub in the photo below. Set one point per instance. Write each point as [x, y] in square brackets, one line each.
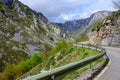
[83, 37]
[51, 61]
[62, 44]
[28, 64]
[1, 8]
[11, 71]
[97, 25]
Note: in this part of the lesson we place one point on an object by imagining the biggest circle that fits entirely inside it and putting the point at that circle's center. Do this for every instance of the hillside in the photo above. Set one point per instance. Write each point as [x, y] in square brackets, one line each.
[108, 31]
[66, 54]
[24, 32]
[77, 27]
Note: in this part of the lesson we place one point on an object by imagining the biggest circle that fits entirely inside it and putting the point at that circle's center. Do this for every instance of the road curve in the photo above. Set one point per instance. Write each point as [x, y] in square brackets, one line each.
[113, 70]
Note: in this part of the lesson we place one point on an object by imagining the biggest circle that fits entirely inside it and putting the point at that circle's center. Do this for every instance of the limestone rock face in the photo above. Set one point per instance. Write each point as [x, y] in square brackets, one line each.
[109, 34]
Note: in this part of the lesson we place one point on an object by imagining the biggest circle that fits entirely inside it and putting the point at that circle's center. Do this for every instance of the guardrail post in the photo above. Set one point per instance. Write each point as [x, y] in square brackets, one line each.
[82, 45]
[91, 67]
[96, 48]
[88, 47]
[53, 77]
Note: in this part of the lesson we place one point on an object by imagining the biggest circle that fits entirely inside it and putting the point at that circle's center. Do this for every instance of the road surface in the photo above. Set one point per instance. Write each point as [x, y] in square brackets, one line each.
[113, 70]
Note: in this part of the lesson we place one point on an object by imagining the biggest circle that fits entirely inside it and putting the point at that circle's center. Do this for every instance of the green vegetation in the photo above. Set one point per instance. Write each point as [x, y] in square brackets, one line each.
[98, 25]
[61, 45]
[83, 37]
[114, 14]
[26, 65]
[106, 62]
[12, 71]
[1, 8]
[64, 52]
[60, 55]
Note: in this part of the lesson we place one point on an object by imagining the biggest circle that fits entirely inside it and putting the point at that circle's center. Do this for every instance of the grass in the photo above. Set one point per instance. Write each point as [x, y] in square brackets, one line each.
[65, 55]
[77, 54]
[114, 14]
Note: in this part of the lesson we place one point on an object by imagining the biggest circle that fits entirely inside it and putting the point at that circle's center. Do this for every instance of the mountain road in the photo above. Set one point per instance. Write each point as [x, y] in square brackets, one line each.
[112, 71]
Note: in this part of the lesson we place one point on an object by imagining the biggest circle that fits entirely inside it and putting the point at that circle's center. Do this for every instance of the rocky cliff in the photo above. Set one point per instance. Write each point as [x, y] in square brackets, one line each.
[24, 32]
[109, 32]
[77, 27]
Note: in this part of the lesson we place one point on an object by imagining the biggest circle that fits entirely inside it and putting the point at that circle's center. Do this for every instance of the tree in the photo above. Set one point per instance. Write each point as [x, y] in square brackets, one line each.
[116, 4]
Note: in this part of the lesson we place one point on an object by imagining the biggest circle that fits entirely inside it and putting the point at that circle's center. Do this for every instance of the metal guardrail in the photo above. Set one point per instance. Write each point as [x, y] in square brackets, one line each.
[66, 69]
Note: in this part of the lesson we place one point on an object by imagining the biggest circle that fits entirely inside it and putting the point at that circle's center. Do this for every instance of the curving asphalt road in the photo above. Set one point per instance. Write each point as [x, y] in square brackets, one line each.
[113, 70]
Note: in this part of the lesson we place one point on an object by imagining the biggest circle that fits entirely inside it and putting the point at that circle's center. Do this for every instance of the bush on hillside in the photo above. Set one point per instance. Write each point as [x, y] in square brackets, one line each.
[1, 9]
[9, 72]
[62, 44]
[97, 26]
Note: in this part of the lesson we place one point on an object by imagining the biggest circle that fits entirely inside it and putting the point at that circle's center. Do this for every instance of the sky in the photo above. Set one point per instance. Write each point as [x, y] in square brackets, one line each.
[67, 10]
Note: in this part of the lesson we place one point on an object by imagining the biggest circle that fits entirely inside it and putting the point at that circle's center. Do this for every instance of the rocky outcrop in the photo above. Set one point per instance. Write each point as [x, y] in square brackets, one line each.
[108, 34]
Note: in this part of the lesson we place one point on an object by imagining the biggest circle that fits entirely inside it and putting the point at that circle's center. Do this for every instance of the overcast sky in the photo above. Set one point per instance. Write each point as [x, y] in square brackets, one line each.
[65, 10]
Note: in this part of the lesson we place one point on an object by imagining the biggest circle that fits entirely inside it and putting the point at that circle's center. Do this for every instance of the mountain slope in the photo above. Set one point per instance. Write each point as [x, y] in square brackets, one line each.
[77, 27]
[24, 32]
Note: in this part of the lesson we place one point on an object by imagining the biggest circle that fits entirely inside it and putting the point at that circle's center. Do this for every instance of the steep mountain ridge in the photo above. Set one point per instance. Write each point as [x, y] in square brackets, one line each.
[24, 32]
[74, 25]
[77, 27]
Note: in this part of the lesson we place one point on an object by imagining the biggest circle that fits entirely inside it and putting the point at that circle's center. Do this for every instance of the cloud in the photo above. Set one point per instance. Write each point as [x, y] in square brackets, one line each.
[64, 10]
